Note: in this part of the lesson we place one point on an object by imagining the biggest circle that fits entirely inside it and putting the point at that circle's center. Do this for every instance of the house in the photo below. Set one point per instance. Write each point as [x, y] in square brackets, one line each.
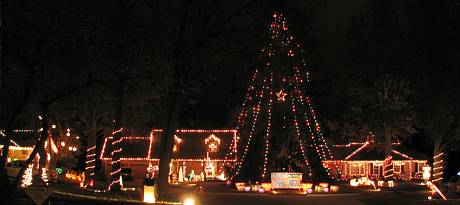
[197, 154]
[202, 155]
[367, 159]
[21, 144]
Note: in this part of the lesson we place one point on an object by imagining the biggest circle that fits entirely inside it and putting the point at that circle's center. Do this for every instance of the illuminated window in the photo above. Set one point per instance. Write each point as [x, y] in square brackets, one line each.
[376, 169]
[397, 168]
[212, 143]
[355, 168]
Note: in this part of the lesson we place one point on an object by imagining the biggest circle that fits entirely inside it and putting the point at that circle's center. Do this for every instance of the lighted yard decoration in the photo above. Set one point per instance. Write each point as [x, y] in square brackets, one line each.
[286, 180]
[278, 128]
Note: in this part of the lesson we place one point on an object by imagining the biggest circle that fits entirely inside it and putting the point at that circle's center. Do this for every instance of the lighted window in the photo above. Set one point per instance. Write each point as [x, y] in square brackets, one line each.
[355, 169]
[375, 169]
[397, 168]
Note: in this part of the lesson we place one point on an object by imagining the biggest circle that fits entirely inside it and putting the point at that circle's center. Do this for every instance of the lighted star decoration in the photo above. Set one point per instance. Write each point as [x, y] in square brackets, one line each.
[281, 95]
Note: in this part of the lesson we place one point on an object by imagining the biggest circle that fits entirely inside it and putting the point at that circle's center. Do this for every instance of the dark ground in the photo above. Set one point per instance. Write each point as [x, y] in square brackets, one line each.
[220, 194]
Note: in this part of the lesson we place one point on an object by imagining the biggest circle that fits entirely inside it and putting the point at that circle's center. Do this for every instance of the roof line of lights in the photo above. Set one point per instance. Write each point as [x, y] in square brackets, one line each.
[374, 161]
[401, 154]
[12, 141]
[18, 147]
[359, 143]
[198, 131]
[357, 150]
[150, 138]
[349, 144]
[16, 144]
[178, 159]
[17, 130]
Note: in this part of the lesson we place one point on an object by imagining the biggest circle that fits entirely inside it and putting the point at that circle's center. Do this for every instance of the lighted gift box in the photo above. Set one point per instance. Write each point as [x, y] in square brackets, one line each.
[267, 186]
[391, 184]
[380, 183]
[247, 188]
[149, 194]
[239, 186]
[324, 184]
[306, 186]
[318, 189]
[334, 188]
[365, 181]
[255, 188]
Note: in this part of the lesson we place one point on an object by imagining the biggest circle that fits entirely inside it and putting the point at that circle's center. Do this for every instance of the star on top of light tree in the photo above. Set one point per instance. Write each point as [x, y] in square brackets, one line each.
[281, 95]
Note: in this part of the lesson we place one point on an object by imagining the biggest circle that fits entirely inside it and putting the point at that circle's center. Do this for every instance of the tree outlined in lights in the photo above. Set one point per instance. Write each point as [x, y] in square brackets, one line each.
[278, 128]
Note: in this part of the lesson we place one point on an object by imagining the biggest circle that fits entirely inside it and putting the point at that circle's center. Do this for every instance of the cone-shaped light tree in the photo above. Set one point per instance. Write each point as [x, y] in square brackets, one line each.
[278, 127]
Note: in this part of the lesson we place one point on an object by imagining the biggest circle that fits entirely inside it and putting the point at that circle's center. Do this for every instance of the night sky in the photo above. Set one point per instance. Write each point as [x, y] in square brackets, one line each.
[79, 52]
[325, 51]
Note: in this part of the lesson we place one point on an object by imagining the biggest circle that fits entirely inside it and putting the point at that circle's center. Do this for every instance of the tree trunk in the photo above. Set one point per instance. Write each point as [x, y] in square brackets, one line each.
[167, 140]
[6, 195]
[91, 145]
[38, 146]
[116, 154]
[2, 77]
[388, 162]
[4, 181]
[438, 167]
[42, 160]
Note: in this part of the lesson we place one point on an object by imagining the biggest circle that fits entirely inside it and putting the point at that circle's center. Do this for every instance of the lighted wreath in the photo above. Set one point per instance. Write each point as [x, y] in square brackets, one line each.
[212, 143]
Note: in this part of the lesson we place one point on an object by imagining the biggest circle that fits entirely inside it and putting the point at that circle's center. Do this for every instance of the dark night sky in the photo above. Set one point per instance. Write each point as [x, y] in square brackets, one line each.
[218, 103]
[349, 44]
[340, 47]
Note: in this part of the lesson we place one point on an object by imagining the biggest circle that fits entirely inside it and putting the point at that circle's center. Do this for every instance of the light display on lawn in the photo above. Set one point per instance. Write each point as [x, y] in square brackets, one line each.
[27, 176]
[286, 180]
[278, 126]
